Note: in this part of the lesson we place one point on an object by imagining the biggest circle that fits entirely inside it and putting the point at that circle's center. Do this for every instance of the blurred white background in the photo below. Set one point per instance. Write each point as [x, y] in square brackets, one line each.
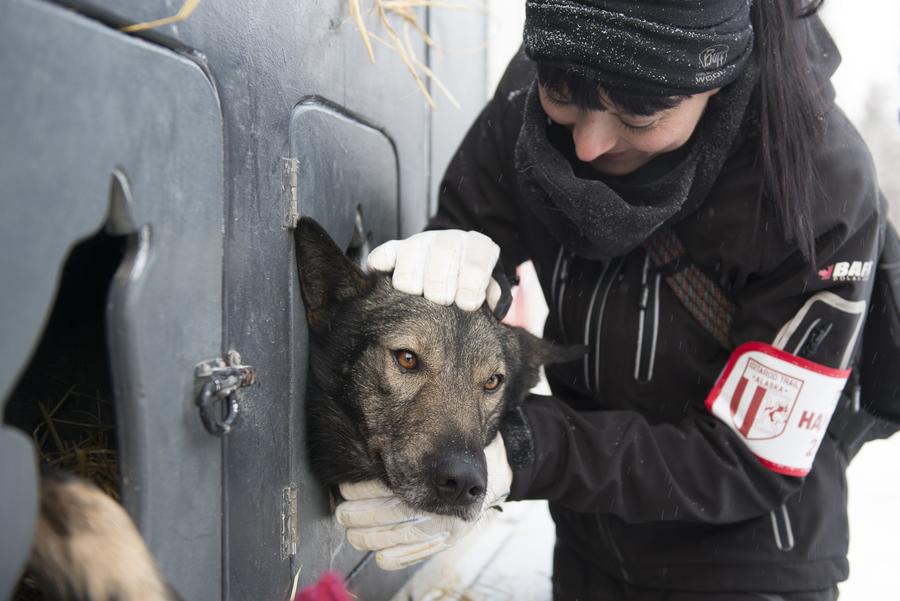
[867, 33]
[513, 561]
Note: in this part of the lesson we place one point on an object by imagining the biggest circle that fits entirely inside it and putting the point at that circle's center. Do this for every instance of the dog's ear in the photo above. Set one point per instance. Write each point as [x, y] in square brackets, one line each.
[326, 273]
[537, 351]
[533, 352]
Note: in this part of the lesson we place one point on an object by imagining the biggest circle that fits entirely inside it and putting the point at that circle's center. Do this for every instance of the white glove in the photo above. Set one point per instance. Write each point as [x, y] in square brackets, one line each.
[376, 520]
[445, 266]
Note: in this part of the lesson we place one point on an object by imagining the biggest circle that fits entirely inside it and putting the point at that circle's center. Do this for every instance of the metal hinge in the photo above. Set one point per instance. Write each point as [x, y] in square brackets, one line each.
[291, 206]
[218, 381]
[290, 527]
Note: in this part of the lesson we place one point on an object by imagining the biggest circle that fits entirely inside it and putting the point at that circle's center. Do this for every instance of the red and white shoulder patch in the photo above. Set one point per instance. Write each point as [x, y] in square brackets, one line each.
[778, 403]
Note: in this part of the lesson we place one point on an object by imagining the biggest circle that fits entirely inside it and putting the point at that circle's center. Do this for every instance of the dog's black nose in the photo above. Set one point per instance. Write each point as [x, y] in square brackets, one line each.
[458, 480]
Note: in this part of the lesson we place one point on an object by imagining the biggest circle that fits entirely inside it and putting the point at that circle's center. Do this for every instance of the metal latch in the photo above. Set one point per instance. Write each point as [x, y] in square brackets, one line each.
[218, 381]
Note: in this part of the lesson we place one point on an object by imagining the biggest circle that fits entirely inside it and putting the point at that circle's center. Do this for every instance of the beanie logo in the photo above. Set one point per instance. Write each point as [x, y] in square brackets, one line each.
[713, 57]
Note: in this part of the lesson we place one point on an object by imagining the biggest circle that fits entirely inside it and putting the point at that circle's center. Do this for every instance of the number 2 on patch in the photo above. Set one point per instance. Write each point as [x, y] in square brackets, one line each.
[813, 445]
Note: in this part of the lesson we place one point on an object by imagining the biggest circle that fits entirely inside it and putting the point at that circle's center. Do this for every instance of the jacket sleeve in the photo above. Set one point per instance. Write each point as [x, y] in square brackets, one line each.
[617, 462]
[477, 191]
[699, 469]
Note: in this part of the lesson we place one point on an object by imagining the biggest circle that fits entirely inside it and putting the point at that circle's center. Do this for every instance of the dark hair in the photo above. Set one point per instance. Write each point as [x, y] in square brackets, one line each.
[791, 110]
[789, 103]
[582, 92]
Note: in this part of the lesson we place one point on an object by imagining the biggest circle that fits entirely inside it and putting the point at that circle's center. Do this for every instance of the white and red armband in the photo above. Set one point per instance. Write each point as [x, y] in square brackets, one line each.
[779, 404]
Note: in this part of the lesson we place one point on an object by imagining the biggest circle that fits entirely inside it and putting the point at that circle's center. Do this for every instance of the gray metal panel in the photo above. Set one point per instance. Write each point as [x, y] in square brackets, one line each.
[266, 57]
[81, 102]
[460, 62]
[344, 165]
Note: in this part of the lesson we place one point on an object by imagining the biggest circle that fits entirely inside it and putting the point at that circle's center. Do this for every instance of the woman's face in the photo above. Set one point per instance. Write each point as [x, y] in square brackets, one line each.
[615, 142]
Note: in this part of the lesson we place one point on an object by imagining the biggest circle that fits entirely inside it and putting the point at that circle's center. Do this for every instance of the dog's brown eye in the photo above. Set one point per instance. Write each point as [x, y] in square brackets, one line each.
[406, 359]
[494, 382]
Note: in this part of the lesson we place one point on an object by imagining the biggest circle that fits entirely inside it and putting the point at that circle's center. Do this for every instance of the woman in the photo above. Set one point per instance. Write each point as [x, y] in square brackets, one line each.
[705, 220]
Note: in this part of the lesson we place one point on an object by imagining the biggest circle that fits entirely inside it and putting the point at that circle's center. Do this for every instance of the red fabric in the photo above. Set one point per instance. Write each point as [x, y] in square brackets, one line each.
[330, 587]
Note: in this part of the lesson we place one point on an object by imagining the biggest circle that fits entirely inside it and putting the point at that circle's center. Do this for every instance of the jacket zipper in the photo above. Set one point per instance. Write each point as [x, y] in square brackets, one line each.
[613, 271]
[648, 324]
[561, 274]
[554, 295]
[587, 326]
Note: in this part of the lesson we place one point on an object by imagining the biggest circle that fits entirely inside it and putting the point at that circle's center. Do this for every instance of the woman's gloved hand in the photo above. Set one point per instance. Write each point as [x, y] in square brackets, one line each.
[444, 266]
[376, 520]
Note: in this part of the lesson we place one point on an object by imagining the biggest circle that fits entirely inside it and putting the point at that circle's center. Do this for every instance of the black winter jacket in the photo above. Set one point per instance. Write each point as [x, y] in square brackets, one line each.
[643, 481]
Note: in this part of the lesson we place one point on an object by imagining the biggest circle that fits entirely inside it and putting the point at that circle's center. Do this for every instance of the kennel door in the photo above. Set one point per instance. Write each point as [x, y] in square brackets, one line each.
[103, 129]
[347, 180]
[345, 167]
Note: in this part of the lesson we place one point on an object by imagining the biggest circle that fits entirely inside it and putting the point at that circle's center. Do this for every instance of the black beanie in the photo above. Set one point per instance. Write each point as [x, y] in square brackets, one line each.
[658, 47]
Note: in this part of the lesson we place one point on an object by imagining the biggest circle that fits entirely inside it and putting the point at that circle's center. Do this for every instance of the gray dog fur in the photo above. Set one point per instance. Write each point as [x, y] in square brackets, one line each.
[368, 417]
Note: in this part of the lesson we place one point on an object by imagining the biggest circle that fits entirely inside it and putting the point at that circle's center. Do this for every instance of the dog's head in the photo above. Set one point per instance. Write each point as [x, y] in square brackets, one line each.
[403, 389]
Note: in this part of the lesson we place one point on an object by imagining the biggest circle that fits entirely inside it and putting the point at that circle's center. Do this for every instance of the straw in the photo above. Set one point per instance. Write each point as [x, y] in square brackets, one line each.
[405, 11]
[184, 12]
[90, 455]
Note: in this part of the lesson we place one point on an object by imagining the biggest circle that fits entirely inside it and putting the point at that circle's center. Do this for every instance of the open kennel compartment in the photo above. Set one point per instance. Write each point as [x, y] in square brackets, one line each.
[127, 171]
[170, 167]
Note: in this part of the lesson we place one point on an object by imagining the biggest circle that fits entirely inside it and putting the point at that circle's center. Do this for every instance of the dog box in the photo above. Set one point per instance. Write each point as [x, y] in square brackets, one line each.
[149, 183]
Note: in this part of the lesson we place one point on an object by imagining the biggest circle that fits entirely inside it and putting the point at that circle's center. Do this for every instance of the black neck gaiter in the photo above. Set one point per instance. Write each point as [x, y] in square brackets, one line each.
[599, 220]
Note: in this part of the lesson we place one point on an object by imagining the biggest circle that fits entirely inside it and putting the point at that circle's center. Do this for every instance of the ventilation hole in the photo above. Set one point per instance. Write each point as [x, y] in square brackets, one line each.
[360, 243]
[63, 399]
